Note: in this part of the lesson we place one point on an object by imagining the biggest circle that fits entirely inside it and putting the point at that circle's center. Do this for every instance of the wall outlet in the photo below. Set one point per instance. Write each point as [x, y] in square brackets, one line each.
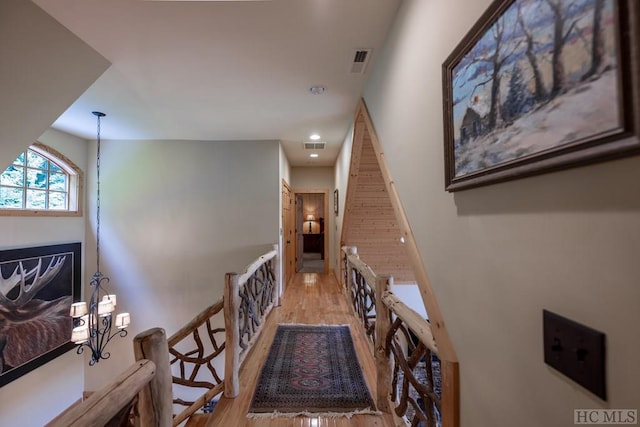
[575, 350]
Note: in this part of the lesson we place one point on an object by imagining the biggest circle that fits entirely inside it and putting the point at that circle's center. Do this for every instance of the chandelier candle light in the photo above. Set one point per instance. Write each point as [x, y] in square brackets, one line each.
[93, 321]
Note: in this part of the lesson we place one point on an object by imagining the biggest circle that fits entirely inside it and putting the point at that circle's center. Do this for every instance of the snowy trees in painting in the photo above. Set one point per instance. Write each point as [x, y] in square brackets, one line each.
[543, 75]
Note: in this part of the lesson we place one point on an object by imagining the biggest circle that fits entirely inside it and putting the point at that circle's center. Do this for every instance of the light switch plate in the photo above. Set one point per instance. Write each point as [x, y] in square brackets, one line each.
[576, 350]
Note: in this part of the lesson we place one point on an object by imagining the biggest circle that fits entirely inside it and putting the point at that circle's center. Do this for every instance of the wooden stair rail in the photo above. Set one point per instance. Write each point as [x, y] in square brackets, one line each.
[155, 400]
[407, 361]
[248, 300]
[393, 319]
[383, 361]
[116, 398]
[197, 359]
[413, 320]
[232, 333]
[150, 379]
[364, 296]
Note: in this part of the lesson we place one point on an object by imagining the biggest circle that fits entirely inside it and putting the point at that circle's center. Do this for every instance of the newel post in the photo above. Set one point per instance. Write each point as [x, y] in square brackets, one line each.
[155, 400]
[276, 273]
[232, 336]
[383, 362]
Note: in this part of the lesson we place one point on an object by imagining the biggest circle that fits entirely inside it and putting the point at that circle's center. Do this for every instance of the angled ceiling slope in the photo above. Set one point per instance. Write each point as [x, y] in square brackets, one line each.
[374, 222]
[45, 68]
[370, 222]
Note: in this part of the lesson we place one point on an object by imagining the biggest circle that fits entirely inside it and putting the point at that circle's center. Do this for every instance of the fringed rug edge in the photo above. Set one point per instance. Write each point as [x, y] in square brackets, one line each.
[313, 324]
[277, 414]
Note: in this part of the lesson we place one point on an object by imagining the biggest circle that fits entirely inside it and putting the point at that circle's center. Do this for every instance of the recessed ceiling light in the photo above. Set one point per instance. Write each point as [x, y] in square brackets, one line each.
[314, 155]
[317, 90]
[314, 137]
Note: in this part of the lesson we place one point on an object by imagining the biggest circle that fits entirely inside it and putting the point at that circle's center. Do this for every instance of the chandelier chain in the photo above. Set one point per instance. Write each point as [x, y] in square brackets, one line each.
[98, 202]
[95, 322]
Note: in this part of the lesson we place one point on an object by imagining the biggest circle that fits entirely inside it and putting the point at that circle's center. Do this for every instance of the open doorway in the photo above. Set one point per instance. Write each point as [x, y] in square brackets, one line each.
[311, 231]
[288, 234]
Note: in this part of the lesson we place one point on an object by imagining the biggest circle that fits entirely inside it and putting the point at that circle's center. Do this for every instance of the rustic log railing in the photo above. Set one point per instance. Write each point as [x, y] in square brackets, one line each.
[196, 366]
[416, 383]
[143, 394]
[248, 299]
[139, 396]
[112, 404]
[411, 379]
[211, 337]
[361, 292]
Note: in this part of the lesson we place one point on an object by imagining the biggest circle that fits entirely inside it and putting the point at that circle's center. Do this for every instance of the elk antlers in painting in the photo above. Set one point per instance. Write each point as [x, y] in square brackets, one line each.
[36, 292]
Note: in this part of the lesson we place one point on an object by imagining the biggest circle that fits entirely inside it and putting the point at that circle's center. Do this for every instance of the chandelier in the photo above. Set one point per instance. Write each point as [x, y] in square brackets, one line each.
[94, 323]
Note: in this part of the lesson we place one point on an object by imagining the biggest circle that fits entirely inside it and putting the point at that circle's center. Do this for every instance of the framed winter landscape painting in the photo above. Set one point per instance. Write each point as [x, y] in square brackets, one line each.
[37, 287]
[541, 85]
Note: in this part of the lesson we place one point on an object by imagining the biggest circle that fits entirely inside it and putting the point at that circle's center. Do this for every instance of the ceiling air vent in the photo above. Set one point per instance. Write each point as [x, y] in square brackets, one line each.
[360, 61]
[314, 145]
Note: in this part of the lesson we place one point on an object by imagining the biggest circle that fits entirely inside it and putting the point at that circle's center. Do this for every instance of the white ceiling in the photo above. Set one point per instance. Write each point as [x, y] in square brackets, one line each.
[224, 70]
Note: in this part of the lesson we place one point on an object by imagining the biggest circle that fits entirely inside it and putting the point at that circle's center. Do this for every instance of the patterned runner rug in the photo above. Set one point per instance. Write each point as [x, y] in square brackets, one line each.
[311, 370]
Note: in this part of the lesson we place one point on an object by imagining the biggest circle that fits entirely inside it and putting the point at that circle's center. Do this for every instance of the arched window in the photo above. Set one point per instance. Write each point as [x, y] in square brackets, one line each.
[41, 181]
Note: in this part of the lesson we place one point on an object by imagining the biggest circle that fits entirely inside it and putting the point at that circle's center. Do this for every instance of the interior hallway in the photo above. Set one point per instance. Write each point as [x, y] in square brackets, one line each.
[312, 262]
[311, 299]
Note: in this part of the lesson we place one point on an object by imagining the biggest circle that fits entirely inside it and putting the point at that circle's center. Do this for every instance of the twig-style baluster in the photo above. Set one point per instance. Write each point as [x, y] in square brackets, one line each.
[199, 360]
[196, 365]
[420, 387]
[256, 299]
[361, 282]
[248, 299]
[415, 390]
[365, 304]
[348, 251]
[207, 345]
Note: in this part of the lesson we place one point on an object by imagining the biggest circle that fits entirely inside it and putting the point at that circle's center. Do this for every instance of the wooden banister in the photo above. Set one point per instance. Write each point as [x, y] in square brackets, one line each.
[248, 300]
[195, 361]
[198, 403]
[253, 267]
[383, 361]
[363, 268]
[155, 403]
[397, 379]
[110, 400]
[148, 383]
[232, 332]
[195, 323]
[414, 321]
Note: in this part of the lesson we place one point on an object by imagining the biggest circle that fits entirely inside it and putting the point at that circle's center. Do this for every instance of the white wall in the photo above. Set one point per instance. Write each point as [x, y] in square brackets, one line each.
[498, 255]
[175, 217]
[285, 167]
[318, 178]
[36, 398]
[341, 178]
[45, 68]
[312, 178]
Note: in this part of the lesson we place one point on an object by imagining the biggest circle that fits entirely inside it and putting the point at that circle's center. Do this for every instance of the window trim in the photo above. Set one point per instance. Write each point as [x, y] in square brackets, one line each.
[76, 185]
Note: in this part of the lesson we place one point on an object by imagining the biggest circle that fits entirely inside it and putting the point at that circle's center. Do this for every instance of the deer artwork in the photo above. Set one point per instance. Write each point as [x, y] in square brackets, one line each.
[29, 326]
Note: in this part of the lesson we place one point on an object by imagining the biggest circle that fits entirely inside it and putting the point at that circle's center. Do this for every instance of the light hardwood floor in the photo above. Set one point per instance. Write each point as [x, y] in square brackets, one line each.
[315, 299]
